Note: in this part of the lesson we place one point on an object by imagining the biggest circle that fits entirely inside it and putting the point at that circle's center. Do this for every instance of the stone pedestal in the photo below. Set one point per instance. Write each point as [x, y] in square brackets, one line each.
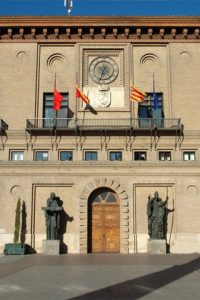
[51, 247]
[157, 246]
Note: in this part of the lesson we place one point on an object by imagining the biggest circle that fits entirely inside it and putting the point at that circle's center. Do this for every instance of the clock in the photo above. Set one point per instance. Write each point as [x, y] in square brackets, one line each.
[103, 70]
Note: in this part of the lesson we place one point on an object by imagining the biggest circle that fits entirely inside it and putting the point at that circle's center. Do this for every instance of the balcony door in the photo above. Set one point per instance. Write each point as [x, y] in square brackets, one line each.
[103, 222]
[60, 115]
[146, 114]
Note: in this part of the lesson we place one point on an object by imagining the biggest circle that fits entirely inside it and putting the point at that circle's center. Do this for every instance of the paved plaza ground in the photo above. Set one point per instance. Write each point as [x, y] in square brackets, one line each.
[100, 276]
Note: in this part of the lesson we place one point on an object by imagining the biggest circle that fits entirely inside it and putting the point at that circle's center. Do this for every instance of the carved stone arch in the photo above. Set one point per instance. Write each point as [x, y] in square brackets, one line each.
[116, 186]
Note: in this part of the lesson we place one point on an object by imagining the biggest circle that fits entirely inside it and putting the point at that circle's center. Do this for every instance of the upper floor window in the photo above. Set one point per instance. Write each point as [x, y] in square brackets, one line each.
[140, 155]
[146, 112]
[17, 155]
[90, 155]
[41, 155]
[66, 155]
[60, 115]
[164, 155]
[115, 155]
[189, 155]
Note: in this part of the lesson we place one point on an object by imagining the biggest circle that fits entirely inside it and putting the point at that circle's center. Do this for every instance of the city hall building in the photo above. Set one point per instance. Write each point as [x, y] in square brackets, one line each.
[104, 160]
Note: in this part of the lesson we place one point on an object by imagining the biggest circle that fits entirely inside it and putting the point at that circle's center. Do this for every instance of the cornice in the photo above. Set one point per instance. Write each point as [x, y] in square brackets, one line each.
[62, 28]
[99, 20]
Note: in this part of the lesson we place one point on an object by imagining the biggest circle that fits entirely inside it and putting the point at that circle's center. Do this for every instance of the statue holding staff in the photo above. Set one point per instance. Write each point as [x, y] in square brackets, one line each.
[157, 217]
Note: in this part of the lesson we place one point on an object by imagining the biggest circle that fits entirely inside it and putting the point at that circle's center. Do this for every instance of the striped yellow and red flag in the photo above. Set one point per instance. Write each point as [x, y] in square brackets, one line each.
[137, 95]
[80, 94]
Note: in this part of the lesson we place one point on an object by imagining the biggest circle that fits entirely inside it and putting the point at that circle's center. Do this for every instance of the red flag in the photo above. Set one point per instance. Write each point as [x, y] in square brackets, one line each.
[57, 98]
[80, 94]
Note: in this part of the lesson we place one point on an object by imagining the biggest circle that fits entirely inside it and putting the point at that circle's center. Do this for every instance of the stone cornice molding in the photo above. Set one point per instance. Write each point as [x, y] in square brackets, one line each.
[37, 21]
[113, 28]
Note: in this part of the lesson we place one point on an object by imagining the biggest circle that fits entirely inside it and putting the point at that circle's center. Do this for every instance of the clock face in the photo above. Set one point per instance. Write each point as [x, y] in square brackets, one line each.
[103, 70]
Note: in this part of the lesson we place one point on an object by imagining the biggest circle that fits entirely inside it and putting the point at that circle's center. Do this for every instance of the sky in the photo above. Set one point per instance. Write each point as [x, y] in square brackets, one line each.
[102, 7]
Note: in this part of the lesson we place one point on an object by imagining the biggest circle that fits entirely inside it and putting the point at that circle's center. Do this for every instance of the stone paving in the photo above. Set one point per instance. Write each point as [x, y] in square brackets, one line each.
[100, 276]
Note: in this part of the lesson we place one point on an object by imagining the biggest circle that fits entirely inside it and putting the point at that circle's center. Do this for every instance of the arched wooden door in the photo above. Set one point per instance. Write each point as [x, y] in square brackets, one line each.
[103, 221]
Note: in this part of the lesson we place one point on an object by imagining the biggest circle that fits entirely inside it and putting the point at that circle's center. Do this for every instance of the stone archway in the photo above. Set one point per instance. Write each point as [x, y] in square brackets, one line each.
[124, 212]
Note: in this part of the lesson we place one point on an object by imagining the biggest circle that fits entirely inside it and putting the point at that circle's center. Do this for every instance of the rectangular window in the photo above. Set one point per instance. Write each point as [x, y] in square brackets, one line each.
[164, 155]
[41, 155]
[140, 155]
[17, 155]
[90, 155]
[60, 115]
[189, 155]
[66, 155]
[146, 114]
[115, 155]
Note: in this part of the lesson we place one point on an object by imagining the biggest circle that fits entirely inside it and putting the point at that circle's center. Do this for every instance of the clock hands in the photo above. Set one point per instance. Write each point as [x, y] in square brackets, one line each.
[103, 70]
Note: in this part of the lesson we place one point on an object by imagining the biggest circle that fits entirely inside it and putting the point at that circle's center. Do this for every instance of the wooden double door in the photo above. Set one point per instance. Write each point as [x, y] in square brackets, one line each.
[104, 231]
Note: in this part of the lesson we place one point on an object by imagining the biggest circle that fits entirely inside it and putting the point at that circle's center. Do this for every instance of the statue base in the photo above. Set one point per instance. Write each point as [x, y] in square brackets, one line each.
[51, 247]
[157, 246]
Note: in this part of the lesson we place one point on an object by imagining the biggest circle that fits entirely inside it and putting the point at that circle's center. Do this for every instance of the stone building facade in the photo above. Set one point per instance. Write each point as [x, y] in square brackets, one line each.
[105, 160]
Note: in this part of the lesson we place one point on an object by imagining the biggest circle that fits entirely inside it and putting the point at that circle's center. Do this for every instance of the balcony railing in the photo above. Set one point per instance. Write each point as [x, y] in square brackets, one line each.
[3, 126]
[157, 124]
[50, 123]
[98, 124]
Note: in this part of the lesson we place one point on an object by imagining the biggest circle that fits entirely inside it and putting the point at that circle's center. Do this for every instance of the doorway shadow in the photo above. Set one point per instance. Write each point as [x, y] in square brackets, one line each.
[144, 285]
[64, 219]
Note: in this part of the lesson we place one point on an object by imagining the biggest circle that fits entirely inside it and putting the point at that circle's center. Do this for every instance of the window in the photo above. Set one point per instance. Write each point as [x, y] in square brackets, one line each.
[48, 112]
[115, 155]
[164, 155]
[147, 116]
[189, 155]
[41, 155]
[17, 155]
[66, 155]
[103, 195]
[140, 155]
[90, 155]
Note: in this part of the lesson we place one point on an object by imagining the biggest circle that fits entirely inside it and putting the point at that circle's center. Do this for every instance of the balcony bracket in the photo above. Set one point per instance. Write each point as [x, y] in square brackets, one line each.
[179, 137]
[104, 141]
[82, 139]
[53, 138]
[3, 140]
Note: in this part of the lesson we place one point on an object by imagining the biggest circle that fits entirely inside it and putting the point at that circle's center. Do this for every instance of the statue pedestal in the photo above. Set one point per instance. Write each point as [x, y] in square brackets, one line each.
[51, 247]
[157, 246]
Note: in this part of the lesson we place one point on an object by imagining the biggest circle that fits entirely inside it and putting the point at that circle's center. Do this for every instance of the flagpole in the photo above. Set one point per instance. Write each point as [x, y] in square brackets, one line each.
[131, 108]
[152, 106]
[54, 111]
[76, 104]
[76, 108]
[153, 83]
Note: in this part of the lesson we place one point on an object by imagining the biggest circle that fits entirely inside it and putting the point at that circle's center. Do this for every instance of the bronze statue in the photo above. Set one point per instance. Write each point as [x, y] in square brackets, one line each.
[52, 217]
[157, 217]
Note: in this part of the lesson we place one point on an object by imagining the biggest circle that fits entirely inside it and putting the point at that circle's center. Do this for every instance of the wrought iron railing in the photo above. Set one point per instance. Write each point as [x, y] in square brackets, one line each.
[50, 123]
[104, 123]
[128, 123]
[156, 123]
[3, 125]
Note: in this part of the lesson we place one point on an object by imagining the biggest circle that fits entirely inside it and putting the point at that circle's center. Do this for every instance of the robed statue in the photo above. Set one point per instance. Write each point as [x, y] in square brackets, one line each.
[157, 217]
[52, 217]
